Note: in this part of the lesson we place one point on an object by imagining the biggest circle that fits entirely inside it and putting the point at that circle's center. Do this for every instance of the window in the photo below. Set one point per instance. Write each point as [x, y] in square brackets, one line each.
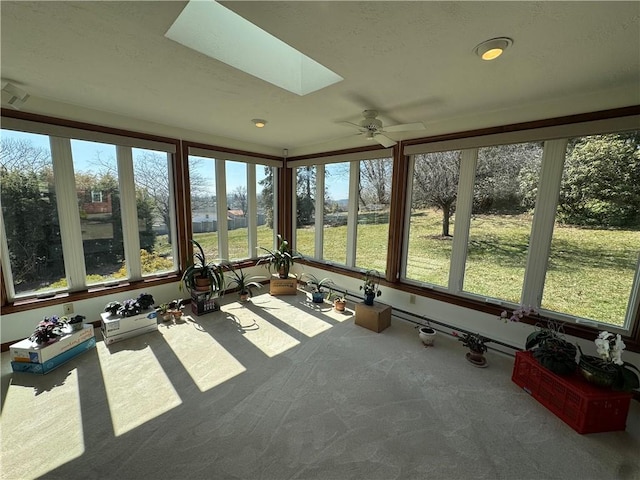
[30, 216]
[434, 191]
[232, 203]
[92, 220]
[204, 204]
[551, 224]
[374, 203]
[595, 246]
[96, 196]
[152, 176]
[336, 210]
[506, 182]
[305, 210]
[237, 209]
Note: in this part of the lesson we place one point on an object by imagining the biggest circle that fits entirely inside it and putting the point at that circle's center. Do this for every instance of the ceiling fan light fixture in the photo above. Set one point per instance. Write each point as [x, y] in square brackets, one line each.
[492, 49]
[258, 122]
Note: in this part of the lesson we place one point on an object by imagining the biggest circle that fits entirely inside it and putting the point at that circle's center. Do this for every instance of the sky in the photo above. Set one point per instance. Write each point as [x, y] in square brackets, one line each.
[85, 153]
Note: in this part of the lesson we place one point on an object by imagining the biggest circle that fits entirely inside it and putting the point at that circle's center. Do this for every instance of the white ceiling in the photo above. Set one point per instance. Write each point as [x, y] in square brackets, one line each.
[412, 61]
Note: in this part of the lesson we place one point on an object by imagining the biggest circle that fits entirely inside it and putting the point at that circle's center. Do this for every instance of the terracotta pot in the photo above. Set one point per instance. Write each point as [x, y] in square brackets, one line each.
[203, 284]
[339, 305]
[244, 297]
[283, 272]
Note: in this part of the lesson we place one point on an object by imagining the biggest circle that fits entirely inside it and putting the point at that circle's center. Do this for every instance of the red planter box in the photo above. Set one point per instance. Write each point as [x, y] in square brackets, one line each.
[581, 405]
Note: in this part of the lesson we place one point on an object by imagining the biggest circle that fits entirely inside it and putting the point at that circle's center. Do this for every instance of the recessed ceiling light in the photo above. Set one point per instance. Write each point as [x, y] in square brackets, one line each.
[258, 122]
[492, 49]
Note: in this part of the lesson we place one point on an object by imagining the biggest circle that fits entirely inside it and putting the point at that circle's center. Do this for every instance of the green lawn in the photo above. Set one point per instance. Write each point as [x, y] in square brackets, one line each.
[590, 272]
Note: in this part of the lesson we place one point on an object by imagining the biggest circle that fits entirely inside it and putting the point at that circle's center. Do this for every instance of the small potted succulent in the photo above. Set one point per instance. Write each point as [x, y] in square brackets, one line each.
[371, 286]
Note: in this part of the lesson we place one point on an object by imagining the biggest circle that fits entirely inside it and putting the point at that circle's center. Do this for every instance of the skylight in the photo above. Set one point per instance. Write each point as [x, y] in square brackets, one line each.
[211, 29]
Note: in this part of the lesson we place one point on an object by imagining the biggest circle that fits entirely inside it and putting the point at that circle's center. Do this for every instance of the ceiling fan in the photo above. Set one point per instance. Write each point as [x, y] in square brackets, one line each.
[371, 127]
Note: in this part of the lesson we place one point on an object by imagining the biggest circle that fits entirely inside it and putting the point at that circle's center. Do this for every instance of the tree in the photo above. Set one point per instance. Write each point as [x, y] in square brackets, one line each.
[499, 168]
[266, 197]
[305, 195]
[375, 181]
[29, 210]
[435, 183]
[601, 181]
[239, 199]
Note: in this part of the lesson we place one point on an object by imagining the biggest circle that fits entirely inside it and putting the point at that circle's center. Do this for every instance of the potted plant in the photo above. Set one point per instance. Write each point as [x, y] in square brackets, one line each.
[318, 287]
[340, 302]
[203, 277]
[427, 334]
[163, 312]
[174, 308]
[608, 369]
[244, 283]
[49, 330]
[551, 350]
[112, 308]
[476, 344]
[371, 286]
[76, 322]
[281, 259]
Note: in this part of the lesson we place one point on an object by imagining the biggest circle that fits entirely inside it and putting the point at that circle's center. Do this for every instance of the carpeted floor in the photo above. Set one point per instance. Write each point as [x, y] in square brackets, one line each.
[281, 389]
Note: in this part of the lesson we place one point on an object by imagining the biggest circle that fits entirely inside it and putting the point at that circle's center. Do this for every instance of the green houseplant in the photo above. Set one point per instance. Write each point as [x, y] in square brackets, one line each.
[476, 344]
[281, 259]
[244, 283]
[203, 277]
[551, 350]
[371, 286]
[318, 287]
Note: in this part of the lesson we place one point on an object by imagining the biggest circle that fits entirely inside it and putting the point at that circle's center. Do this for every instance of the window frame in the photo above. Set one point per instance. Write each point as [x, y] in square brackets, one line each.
[60, 133]
[544, 219]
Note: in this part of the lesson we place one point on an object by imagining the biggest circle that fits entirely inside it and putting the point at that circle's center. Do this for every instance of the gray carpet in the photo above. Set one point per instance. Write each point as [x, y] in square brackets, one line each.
[282, 389]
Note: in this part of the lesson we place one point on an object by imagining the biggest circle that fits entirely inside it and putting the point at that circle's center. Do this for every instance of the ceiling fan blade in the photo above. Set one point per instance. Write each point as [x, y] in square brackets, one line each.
[351, 124]
[384, 140]
[405, 127]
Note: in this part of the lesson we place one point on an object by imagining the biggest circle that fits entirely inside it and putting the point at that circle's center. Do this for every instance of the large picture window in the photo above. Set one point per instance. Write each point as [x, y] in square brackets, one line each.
[88, 213]
[505, 187]
[232, 204]
[434, 182]
[596, 238]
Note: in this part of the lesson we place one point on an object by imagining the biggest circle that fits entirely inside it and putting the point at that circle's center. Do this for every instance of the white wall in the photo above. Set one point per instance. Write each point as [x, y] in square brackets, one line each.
[511, 333]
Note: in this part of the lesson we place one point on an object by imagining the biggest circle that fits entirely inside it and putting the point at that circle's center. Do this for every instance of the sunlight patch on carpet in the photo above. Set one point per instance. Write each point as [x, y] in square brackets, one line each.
[132, 403]
[209, 364]
[49, 422]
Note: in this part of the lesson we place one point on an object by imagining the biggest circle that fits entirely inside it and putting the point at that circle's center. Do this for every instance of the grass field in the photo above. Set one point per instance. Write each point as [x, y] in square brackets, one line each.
[590, 272]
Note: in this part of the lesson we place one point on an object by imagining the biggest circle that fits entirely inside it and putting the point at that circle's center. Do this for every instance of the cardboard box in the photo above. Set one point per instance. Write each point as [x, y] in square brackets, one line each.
[374, 317]
[112, 324]
[111, 337]
[203, 303]
[28, 352]
[283, 286]
[55, 362]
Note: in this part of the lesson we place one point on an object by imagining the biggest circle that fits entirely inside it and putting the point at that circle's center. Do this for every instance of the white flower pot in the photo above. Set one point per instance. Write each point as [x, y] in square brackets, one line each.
[427, 335]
